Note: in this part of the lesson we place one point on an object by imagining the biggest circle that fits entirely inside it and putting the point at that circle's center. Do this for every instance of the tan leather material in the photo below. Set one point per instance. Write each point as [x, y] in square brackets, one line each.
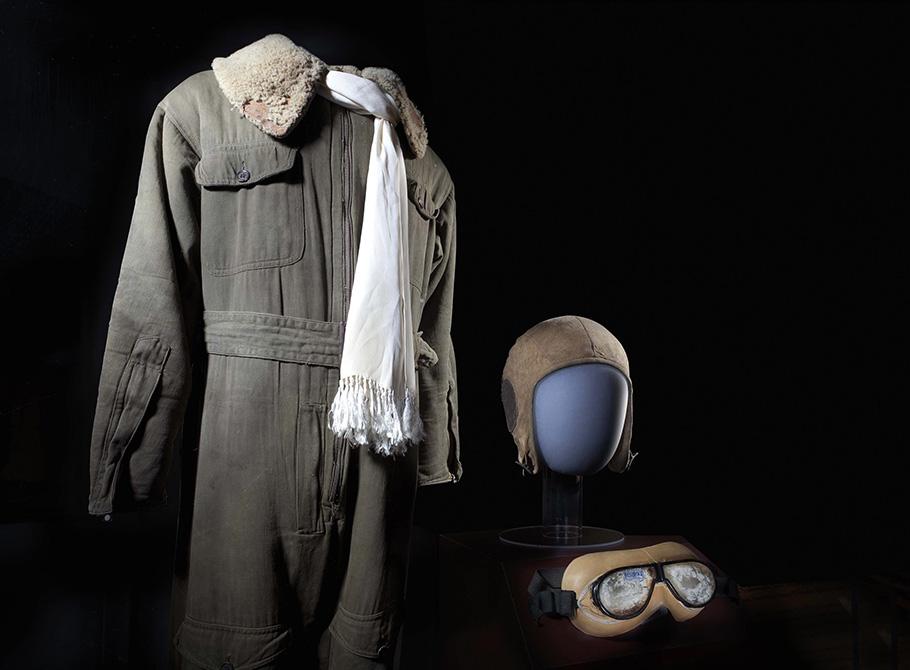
[550, 345]
[583, 571]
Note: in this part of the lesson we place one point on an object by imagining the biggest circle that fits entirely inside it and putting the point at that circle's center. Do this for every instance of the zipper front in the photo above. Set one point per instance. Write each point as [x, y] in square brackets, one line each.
[335, 487]
[347, 278]
[347, 219]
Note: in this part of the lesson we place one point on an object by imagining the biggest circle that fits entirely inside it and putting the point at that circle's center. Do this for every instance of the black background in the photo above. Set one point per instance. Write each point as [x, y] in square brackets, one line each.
[722, 185]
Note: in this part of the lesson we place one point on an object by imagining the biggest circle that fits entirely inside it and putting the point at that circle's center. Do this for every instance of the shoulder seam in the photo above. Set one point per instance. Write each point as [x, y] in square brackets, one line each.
[170, 116]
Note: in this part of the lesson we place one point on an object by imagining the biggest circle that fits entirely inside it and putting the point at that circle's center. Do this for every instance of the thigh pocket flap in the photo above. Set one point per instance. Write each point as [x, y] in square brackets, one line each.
[220, 647]
[366, 635]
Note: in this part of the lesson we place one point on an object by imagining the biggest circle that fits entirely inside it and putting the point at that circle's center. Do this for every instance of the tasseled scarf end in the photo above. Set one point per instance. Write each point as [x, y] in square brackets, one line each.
[367, 413]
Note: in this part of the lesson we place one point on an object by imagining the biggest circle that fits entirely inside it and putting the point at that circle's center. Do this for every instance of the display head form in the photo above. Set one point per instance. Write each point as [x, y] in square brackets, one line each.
[548, 346]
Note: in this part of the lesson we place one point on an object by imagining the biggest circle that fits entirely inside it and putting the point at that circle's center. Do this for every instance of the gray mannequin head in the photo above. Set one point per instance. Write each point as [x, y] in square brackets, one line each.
[578, 414]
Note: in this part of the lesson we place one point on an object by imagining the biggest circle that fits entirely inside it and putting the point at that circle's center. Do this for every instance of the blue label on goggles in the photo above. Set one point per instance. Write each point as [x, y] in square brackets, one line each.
[634, 575]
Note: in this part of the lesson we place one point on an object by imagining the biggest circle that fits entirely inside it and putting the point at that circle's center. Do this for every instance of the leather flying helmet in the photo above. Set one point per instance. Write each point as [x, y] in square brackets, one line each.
[550, 345]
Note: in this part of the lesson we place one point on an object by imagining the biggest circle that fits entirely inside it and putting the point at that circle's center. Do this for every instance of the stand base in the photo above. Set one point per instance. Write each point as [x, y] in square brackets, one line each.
[561, 536]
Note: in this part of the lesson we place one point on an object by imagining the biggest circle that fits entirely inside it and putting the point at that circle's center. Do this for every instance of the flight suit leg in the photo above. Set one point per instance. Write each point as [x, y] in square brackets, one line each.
[380, 493]
[250, 491]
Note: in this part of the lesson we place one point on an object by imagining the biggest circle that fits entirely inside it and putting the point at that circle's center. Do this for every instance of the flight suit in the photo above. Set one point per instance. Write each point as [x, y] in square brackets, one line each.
[237, 273]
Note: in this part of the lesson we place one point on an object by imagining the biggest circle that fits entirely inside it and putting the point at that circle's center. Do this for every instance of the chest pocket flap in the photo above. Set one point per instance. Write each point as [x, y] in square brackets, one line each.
[252, 207]
[243, 165]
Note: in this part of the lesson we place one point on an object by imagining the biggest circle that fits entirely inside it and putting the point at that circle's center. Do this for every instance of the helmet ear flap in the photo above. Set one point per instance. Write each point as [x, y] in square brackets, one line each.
[526, 457]
[509, 404]
[622, 459]
[510, 407]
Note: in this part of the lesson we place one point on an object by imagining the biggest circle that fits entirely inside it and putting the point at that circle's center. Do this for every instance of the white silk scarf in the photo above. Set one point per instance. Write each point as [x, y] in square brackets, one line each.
[376, 402]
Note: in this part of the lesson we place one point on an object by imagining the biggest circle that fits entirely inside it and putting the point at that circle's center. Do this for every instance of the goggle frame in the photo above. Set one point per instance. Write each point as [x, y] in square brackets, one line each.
[659, 577]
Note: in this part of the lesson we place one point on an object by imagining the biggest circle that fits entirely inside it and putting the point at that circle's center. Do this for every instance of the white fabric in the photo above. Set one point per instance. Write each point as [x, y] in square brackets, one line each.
[376, 402]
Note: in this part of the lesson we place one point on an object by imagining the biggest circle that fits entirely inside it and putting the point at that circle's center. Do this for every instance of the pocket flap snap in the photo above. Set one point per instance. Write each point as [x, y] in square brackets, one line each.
[243, 165]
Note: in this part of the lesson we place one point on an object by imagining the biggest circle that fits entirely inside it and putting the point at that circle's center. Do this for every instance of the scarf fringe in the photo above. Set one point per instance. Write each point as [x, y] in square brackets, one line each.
[368, 413]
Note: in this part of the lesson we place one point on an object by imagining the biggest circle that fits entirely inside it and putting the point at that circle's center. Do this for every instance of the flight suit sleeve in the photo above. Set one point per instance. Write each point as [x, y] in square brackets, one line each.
[440, 451]
[146, 368]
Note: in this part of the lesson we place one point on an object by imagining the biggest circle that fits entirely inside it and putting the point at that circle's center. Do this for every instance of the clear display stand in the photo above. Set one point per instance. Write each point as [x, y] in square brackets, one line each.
[561, 522]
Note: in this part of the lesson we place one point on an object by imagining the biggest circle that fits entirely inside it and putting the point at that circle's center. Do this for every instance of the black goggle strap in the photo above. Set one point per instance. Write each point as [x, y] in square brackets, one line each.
[726, 586]
[546, 596]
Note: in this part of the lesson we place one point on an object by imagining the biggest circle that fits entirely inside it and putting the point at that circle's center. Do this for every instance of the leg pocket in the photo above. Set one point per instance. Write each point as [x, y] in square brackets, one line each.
[309, 448]
[365, 635]
[337, 457]
[219, 647]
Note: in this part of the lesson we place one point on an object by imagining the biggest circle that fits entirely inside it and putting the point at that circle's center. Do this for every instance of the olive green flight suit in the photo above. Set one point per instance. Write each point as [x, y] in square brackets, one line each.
[240, 258]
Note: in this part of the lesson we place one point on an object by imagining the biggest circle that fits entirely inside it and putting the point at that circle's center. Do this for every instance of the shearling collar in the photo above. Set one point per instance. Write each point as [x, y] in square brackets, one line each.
[272, 81]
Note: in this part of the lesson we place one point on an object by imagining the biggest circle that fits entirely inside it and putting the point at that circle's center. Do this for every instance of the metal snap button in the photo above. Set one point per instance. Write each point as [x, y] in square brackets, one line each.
[243, 175]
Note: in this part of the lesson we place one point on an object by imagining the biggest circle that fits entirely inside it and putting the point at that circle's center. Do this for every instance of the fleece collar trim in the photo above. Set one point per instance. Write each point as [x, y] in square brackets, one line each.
[272, 81]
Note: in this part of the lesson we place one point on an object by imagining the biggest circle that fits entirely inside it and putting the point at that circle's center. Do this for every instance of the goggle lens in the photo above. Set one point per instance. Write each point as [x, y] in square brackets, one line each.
[625, 592]
[692, 581]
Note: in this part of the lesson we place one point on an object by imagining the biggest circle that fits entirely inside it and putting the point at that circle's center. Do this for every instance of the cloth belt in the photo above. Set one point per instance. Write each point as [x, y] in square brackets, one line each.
[265, 335]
